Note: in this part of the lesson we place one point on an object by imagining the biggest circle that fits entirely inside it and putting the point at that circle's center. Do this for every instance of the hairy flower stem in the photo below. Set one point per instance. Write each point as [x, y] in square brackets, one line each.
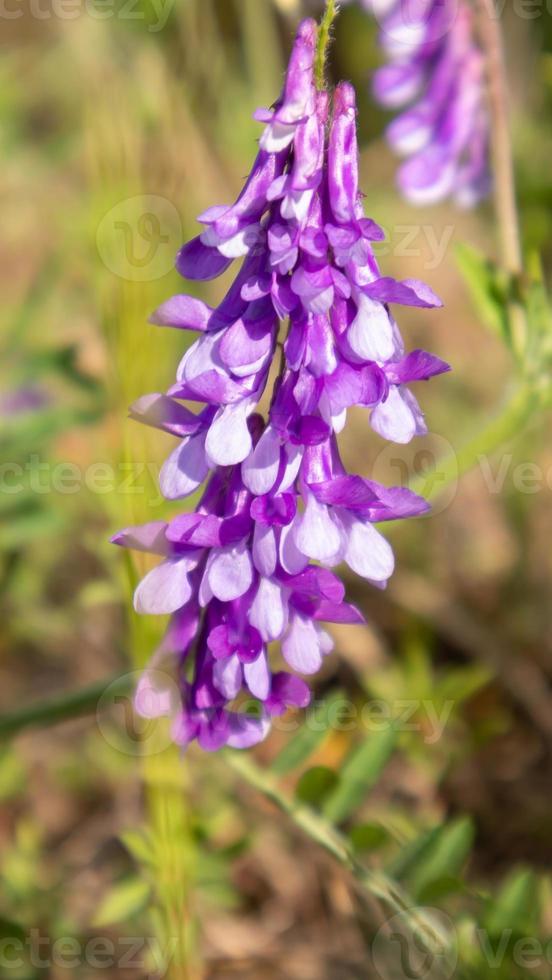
[324, 37]
[504, 175]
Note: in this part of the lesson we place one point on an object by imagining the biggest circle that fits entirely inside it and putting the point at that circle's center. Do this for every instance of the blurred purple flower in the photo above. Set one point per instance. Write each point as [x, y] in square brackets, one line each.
[239, 573]
[27, 399]
[436, 74]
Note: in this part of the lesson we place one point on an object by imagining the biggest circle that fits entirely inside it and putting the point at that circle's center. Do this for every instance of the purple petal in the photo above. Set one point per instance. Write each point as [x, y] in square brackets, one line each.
[416, 366]
[164, 413]
[409, 292]
[185, 312]
[287, 691]
[200, 262]
[245, 731]
[151, 538]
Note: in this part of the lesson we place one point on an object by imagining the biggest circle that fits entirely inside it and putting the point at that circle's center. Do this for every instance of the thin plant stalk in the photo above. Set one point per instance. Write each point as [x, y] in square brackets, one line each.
[509, 235]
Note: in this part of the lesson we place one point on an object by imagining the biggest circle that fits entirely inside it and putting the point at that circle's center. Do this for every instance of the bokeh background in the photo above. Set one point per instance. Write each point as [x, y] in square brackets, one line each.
[120, 123]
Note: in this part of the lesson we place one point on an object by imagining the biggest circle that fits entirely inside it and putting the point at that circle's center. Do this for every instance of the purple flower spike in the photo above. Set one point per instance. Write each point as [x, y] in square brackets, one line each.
[435, 74]
[252, 565]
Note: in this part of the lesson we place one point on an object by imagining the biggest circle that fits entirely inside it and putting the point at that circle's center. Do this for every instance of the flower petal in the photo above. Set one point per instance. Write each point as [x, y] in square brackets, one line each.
[165, 589]
[268, 611]
[185, 470]
[230, 572]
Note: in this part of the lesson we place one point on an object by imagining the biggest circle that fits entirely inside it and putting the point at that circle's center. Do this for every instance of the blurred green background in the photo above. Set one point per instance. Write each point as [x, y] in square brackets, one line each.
[120, 123]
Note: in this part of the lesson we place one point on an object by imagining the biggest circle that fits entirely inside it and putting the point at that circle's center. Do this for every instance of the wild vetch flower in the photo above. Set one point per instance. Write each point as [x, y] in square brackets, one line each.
[27, 399]
[251, 566]
[435, 74]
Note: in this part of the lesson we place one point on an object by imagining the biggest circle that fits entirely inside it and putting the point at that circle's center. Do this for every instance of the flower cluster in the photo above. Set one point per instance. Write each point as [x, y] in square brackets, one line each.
[435, 72]
[252, 565]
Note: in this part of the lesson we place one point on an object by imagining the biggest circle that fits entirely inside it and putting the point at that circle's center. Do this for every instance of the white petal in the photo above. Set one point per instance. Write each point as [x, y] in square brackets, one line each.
[394, 419]
[268, 611]
[241, 243]
[201, 357]
[277, 136]
[368, 553]
[265, 555]
[294, 459]
[302, 646]
[228, 676]
[157, 694]
[371, 333]
[230, 572]
[229, 439]
[260, 469]
[292, 560]
[257, 677]
[316, 534]
[165, 589]
[185, 470]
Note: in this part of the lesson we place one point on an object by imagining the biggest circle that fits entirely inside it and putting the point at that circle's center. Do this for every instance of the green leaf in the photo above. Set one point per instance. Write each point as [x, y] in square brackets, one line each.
[360, 773]
[516, 905]
[139, 845]
[124, 901]
[441, 888]
[315, 785]
[460, 685]
[13, 775]
[368, 837]
[311, 734]
[439, 854]
[487, 289]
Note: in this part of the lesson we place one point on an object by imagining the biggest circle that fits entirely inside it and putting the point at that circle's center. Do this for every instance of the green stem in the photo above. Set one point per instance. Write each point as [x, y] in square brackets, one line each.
[509, 424]
[324, 33]
[62, 708]
[326, 836]
[505, 203]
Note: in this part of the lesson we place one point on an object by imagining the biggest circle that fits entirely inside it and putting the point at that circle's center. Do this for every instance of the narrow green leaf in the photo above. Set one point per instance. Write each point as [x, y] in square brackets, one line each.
[311, 734]
[360, 773]
[486, 289]
[368, 837]
[139, 845]
[315, 785]
[442, 856]
[409, 855]
[441, 888]
[516, 905]
[123, 902]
